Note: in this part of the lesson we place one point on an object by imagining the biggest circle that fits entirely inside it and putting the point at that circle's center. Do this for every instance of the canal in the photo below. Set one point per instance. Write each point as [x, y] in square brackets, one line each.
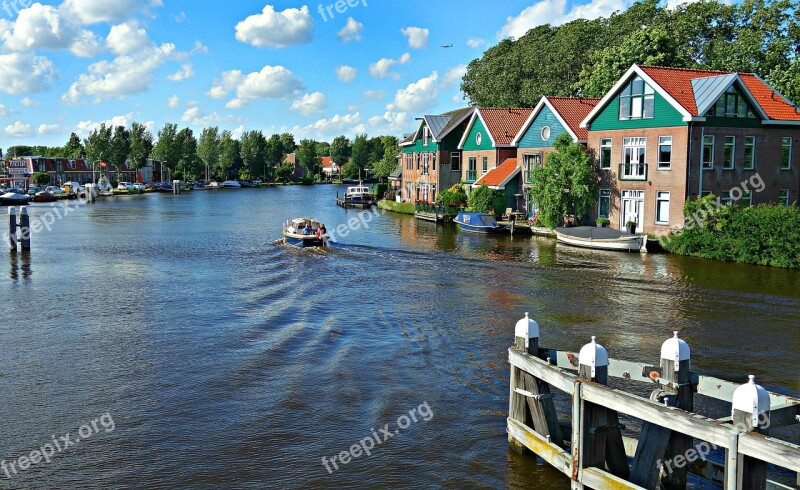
[225, 360]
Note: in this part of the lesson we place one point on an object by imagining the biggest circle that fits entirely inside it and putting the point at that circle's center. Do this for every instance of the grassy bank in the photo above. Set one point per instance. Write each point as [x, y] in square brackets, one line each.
[397, 207]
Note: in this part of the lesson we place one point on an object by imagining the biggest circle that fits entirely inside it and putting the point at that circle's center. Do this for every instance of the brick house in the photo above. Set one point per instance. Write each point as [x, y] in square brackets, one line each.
[488, 140]
[664, 135]
[431, 161]
[551, 117]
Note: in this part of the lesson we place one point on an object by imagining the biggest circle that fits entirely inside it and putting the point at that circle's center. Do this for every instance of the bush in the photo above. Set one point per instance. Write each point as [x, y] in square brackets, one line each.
[381, 190]
[485, 200]
[309, 180]
[767, 234]
[41, 178]
[454, 196]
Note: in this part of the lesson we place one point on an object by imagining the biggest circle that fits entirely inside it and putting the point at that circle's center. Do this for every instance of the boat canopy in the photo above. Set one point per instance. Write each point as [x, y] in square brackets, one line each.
[479, 219]
[358, 190]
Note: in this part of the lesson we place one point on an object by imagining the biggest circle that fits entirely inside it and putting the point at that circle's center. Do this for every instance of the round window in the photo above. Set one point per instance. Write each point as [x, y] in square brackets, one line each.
[478, 139]
[546, 133]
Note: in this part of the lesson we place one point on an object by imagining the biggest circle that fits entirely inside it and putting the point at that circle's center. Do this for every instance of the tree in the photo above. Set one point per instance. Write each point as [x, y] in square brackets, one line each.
[254, 152]
[284, 172]
[323, 149]
[360, 154]
[229, 158]
[141, 145]
[208, 148]
[41, 179]
[98, 145]
[307, 155]
[340, 149]
[388, 162]
[74, 147]
[168, 149]
[274, 155]
[485, 200]
[120, 149]
[188, 161]
[287, 143]
[566, 184]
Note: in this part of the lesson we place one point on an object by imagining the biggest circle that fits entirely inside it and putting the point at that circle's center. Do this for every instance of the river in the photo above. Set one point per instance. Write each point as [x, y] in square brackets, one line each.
[225, 360]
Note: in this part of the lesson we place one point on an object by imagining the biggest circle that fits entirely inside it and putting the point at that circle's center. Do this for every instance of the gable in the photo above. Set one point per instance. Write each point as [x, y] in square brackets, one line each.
[471, 142]
[664, 115]
[534, 136]
[418, 146]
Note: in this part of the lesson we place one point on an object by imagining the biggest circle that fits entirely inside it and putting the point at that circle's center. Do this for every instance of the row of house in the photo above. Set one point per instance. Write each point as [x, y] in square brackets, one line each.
[659, 137]
[73, 170]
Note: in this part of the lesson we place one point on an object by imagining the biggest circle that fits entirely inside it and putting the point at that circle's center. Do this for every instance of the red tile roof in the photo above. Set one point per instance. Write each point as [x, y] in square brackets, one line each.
[574, 110]
[326, 162]
[504, 124]
[498, 175]
[678, 83]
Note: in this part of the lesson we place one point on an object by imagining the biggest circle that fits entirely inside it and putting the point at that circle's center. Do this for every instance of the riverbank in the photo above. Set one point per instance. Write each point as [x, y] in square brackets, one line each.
[397, 207]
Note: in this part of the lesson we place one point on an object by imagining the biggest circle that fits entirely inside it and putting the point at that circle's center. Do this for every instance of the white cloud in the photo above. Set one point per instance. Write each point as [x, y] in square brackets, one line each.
[475, 42]
[390, 123]
[197, 117]
[272, 82]
[374, 94]
[555, 12]
[418, 96]
[180, 17]
[310, 104]
[236, 104]
[22, 73]
[127, 38]
[5, 111]
[184, 73]
[19, 130]
[46, 129]
[27, 102]
[455, 74]
[83, 128]
[46, 27]
[271, 29]
[328, 128]
[417, 37]
[351, 31]
[96, 11]
[173, 102]
[346, 73]
[383, 67]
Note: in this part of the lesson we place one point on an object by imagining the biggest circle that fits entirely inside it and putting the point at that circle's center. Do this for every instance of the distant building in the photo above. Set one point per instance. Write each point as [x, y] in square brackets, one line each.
[330, 169]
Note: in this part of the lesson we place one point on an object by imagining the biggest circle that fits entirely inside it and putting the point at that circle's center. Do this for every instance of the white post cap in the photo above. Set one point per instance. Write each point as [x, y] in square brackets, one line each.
[676, 350]
[751, 398]
[527, 329]
[593, 355]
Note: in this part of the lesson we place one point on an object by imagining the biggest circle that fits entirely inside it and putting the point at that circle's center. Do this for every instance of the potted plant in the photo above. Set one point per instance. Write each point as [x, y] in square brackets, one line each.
[603, 222]
[631, 226]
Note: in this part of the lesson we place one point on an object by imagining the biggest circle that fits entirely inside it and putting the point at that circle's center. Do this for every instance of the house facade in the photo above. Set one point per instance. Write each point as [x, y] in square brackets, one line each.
[551, 117]
[330, 169]
[665, 135]
[431, 161]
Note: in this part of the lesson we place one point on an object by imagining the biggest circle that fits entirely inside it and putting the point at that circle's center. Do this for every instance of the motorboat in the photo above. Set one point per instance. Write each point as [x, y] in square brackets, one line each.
[231, 184]
[246, 184]
[213, 185]
[479, 223]
[304, 233]
[44, 197]
[15, 197]
[601, 239]
[359, 195]
[165, 188]
[104, 187]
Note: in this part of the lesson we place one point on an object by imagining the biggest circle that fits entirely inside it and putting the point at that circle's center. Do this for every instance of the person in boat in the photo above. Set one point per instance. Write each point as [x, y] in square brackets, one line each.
[308, 230]
[321, 231]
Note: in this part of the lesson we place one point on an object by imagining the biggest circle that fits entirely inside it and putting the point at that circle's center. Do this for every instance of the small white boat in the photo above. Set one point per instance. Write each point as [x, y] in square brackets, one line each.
[601, 239]
[305, 233]
[14, 199]
[231, 184]
[213, 185]
[104, 187]
[359, 195]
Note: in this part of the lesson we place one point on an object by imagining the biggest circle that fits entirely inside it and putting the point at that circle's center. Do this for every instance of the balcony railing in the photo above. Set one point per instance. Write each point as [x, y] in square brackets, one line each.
[472, 175]
[632, 171]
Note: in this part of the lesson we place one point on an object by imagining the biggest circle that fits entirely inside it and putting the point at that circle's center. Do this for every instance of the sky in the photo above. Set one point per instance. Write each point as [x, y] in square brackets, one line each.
[370, 66]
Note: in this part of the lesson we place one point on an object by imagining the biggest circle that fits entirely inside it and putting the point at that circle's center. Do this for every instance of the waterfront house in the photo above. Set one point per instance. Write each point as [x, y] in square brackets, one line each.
[488, 141]
[431, 161]
[330, 169]
[78, 170]
[551, 117]
[664, 135]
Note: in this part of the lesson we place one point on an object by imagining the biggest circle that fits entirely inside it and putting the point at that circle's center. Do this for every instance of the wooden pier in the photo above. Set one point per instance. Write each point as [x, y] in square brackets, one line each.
[592, 451]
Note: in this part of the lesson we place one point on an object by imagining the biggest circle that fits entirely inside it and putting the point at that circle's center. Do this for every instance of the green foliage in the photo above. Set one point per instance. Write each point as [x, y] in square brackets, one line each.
[74, 147]
[389, 148]
[454, 196]
[284, 172]
[566, 184]
[120, 147]
[41, 178]
[603, 221]
[767, 234]
[98, 144]
[254, 154]
[208, 147]
[141, 145]
[168, 149]
[381, 190]
[340, 149]
[309, 179]
[308, 156]
[397, 207]
[360, 154]
[229, 159]
[485, 200]
[350, 171]
[188, 162]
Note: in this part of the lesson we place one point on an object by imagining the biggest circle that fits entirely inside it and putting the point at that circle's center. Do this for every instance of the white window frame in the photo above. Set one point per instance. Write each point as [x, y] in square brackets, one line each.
[708, 165]
[752, 145]
[785, 197]
[484, 165]
[606, 143]
[638, 159]
[659, 200]
[783, 145]
[455, 156]
[727, 144]
[426, 136]
[425, 163]
[662, 142]
[747, 197]
[725, 198]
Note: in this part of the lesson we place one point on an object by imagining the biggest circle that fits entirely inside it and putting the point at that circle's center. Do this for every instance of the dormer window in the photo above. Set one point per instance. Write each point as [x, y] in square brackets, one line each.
[636, 100]
[731, 104]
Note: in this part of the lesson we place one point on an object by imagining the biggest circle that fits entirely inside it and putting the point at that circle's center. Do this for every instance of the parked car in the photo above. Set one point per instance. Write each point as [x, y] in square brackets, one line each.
[125, 186]
[56, 191]
[33, 190]
[138, 187]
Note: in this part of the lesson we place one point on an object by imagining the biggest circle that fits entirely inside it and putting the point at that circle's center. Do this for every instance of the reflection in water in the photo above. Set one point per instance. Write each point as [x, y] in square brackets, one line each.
[20, 265]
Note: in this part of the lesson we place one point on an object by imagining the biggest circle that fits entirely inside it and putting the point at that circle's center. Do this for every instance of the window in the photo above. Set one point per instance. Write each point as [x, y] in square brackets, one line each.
[726, 198]
[662, 208]
[433, 161]
[784, 197]
[708, 152]
[478, 139]
[531, 161]
[546, 133]
[485, 166]
[633, 166]
[749, 152]
[605, 203]
[636, 100]
[409, 161]
[605, 154]
[731, 104]
[729, 155]
[664, 152]
[472, 170]
[425, 159]
[455, 162]
[426, 134]
[747, 198]
[786, 153]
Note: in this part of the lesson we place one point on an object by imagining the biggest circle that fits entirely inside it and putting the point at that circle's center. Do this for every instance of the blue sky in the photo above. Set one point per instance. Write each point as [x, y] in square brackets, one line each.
[281, 66]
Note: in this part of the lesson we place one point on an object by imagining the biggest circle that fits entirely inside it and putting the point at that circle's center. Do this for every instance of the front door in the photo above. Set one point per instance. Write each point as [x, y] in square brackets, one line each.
[632, 209]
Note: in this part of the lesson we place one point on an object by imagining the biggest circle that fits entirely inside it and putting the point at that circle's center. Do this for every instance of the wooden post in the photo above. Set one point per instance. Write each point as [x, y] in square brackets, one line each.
[524, 332]
[676, 368]
[25, 229]
[732, 461]
[12, 228]
[602, 432]
[751, 410]
[577, 437]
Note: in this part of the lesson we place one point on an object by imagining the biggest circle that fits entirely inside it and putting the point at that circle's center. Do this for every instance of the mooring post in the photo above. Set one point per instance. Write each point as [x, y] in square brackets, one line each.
[577, 437]
[526, 336]
[25, 229]
[676, 368]
[12, 228]
[732, 461]
[176, 186]
[602, 432]
[751, 413]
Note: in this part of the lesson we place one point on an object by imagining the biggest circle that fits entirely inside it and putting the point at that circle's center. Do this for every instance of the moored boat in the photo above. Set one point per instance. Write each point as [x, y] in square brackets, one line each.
[231, 184]
[305, 233]
[479, 223]
[43, 197]
[13, 199]
[213, 185]
[601, 239]
[359, 195]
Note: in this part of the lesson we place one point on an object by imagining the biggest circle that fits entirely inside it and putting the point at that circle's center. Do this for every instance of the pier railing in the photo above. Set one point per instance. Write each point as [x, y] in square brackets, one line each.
[591, 450]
